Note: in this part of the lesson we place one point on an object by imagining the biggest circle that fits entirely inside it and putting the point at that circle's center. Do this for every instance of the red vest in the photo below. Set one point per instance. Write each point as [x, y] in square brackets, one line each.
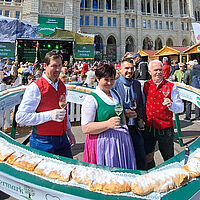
[157, 115]
[84, 68]
[49, 101]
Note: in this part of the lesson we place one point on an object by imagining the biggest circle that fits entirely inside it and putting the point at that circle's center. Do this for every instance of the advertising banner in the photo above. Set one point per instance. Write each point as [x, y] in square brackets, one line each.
[76, 96]
[48, 25]
[7, 50]
[196, 28]
[47, 29]
[189, 93]
[84, 51]
[25, 190]
[9, 101]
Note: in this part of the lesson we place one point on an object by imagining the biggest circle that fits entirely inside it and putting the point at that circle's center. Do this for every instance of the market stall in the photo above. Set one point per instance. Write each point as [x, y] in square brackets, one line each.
[193, 52]
[173, 53]
[147, 55]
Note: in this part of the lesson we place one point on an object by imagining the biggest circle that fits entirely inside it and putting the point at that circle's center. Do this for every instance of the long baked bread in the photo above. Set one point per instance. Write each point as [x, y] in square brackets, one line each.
[159, 181]
[5, 151]
[83, 175]
[110, 183]
[27, 162]
[54, 170]
[11, 159]
[100, 180]
[193, 167]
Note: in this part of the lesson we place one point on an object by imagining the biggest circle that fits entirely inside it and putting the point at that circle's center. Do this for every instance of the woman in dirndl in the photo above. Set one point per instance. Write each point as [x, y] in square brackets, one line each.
[108, 141]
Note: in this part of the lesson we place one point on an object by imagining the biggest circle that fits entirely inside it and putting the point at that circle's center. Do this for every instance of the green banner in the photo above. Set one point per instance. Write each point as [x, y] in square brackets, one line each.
[58, 22]
[48, 25]
[7, 50]
[47, 29]
[84, 51]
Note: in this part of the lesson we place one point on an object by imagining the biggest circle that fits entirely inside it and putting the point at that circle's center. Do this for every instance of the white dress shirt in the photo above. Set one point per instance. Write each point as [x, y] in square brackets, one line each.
[27, 115]
[177, 103]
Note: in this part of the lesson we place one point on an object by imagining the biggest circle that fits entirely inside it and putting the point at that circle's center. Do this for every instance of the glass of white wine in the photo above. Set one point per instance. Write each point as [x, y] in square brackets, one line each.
[63, 101]
[118, 109]
[166, 90]
[133, 104]
[133, 107]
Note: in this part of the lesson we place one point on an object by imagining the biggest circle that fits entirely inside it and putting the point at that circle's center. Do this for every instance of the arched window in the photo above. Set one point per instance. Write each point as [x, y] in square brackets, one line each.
[87, 3]
[147, 44]
[185, 43]
[181, 7]
[114, 5]
[111, 49]
[148, 6]
[169, 42]
[126, 4]
[154, 6]
[101, 4]
[129, 4]
[170, 7]
[129, 45]
[185, 7]
[143, 5]
[158, 44]
[108, 4]
[195, 15]
[159, 7]
[98, 44]
[166, 6]
[95, 4]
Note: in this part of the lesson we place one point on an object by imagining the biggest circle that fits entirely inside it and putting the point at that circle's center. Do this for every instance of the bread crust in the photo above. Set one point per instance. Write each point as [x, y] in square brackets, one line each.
[5, 152]
[54, 170]
[193, 167]
[159, 181]
[11, 159]
[27, 162]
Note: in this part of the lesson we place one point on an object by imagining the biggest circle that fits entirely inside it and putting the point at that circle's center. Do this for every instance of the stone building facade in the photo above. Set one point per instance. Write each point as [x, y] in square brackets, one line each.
[11, 8]
[119, 25]
[130, 25]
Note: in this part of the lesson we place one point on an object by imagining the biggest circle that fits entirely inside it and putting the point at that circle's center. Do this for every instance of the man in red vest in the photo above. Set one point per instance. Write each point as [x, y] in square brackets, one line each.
[162, 99]
[166, 68]
[40, 108]
[84, 70]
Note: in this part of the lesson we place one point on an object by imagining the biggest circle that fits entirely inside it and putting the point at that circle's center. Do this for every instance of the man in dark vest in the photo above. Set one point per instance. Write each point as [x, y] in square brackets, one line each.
[141, 68]
[130, 89]
[40, 108]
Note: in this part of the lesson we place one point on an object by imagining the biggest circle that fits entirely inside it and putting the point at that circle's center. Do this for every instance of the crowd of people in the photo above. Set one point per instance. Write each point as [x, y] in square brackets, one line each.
[14, 73]
[122, 119]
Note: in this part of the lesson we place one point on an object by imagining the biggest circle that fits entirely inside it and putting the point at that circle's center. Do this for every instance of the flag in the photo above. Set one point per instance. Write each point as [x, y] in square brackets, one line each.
[37, 58]
[196, 28]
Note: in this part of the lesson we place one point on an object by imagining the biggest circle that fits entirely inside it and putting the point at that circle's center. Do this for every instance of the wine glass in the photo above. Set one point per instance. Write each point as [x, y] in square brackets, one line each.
[133, 104]
[63, 101]
[166, 90]
[132, 107]
[118, 109]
